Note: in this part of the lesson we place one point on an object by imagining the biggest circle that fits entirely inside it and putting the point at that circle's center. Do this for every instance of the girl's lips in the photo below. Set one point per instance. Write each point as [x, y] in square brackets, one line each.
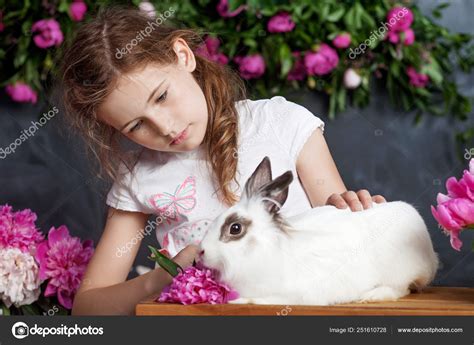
[181, 137]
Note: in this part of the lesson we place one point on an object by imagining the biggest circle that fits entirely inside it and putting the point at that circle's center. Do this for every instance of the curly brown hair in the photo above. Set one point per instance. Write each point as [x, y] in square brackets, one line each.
[89, 69]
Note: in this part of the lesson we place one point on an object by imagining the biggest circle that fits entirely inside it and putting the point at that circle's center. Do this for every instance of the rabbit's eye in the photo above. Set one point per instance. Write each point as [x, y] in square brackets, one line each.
[235, 228]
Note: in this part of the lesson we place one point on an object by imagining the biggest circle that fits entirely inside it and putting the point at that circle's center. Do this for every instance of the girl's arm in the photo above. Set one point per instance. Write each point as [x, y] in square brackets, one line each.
[321, 180]
[104, 289]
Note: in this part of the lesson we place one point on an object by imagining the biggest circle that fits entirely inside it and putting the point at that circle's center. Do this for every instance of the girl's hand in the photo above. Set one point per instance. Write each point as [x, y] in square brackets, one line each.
[186, 256]
[357, 201]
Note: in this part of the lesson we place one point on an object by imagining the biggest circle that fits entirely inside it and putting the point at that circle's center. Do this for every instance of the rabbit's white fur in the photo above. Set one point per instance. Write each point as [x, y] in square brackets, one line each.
[323, 256]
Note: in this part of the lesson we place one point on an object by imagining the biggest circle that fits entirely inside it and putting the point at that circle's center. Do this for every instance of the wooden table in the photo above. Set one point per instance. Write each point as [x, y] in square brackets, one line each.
[432, 301]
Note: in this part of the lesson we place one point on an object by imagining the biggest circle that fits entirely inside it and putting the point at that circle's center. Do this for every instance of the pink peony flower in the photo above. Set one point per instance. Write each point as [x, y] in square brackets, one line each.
[19, 280]
[209, 50]
[18, 230]
[49, 33]
[464, 188]
[342, 41]
[298, 71]
[399, 18]
[394, 37]
[455, 211]
[63, 260]
[417, 79]
[197, 285]
[453, 216]
[251, 66]
[21, 92]
[321, 62]
[223, 9]
[77, 10]
[281, 22]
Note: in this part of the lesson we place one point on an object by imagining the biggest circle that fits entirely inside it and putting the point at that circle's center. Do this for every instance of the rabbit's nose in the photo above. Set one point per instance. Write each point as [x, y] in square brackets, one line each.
[201, 252]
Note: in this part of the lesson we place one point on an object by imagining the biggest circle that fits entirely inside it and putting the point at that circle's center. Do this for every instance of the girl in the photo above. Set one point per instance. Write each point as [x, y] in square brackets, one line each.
[199, 139]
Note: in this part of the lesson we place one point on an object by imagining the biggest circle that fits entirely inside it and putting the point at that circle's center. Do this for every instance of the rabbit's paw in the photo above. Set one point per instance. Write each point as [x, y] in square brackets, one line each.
[383, 293]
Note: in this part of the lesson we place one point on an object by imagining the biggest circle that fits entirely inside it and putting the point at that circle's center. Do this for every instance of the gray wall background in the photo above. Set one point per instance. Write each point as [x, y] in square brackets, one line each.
[375, 148]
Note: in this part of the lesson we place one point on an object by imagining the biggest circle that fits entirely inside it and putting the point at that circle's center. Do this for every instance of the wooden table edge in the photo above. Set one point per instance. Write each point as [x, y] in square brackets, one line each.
[459, 302]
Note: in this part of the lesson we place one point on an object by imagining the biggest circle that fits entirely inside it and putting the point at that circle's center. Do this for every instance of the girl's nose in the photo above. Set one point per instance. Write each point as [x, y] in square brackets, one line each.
[163, 124]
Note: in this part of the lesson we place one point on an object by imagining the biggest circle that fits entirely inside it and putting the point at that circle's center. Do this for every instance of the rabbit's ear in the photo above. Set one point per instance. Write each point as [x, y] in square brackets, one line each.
[276, 190]
[261, 176]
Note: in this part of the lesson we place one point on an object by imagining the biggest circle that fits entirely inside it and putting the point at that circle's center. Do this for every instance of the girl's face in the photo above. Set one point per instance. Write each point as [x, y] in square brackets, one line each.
[161, 108]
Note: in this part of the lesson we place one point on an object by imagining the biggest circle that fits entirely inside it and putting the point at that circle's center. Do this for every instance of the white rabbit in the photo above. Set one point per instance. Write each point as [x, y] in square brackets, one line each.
[321, 257]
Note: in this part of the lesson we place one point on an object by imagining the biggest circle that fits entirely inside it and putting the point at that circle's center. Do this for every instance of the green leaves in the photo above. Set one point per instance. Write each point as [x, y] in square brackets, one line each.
[436, 51]
[167, 264]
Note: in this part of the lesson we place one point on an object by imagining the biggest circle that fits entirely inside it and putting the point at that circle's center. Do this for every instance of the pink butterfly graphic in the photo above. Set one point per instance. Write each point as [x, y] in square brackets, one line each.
[187, 233]
[183, 200]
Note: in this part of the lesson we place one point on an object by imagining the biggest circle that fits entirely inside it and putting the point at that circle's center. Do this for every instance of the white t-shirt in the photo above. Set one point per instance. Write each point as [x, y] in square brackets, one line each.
[177, 187]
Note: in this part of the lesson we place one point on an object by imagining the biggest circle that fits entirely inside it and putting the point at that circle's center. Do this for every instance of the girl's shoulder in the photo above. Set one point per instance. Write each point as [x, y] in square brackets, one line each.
[277, 109]
[276, 122]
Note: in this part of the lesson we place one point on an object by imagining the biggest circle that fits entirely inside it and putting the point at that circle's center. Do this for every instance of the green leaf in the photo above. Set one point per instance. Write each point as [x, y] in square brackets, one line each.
[285, 59]
[332, 105]
[333, 99]
[234, 4]
[23, 52]
[5, 310]
[336, 15]
[341, 99]
[358, 15]
[418, 117]
[250, 42]
[26, 27]
[349, 19]
[167, 264]
[367, 18]
[324, 11]
[30, 309]
[63, 6]
[423, 92]
[405, 101]
[395, 69]
[433, 71]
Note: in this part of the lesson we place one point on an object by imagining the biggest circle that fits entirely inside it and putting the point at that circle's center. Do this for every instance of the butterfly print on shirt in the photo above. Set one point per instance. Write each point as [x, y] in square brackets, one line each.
[172, 205]
[185, 234]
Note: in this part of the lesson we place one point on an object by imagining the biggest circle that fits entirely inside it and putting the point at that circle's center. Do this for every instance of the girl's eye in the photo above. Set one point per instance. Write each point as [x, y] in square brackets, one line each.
[158, 100]
[137, 126]
[162, 97]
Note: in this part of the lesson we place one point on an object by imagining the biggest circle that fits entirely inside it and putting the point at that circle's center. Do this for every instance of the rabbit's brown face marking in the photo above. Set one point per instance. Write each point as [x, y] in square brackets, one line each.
[234, 227]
